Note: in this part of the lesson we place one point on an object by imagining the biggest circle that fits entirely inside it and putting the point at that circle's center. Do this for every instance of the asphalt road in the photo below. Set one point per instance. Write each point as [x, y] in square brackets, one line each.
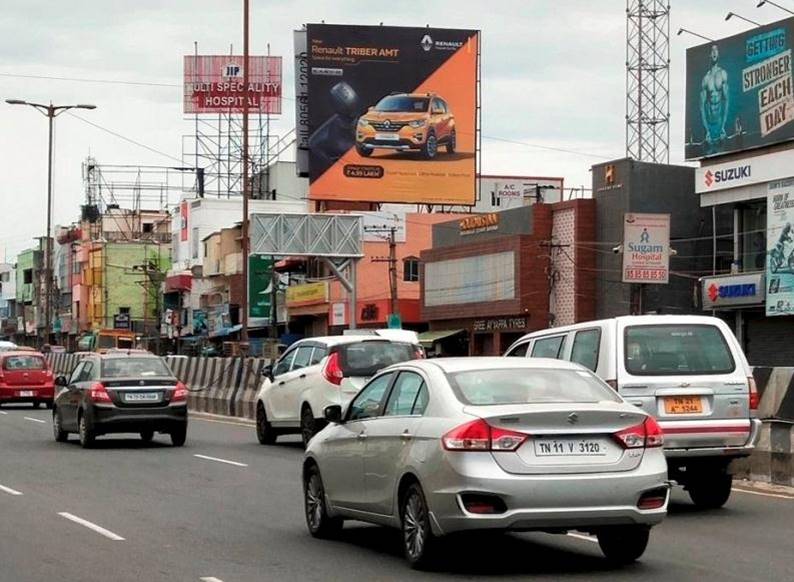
[186, 517]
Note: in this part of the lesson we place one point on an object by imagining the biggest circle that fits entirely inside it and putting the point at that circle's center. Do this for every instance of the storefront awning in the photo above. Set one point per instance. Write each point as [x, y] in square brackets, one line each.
[428, 338]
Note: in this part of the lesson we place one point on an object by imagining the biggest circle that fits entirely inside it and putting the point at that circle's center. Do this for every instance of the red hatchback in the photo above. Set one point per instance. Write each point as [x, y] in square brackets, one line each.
[25, 377]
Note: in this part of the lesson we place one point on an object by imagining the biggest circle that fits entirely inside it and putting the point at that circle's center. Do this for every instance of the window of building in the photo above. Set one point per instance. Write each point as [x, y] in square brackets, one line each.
[27, 276]
[4, 277]
[124, 310]
[754, 237]
[411, 269]
[175, 247]
[148, 227]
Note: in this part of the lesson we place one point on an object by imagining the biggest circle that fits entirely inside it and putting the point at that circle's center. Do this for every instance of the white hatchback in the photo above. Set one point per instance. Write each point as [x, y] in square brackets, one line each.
[318, 372]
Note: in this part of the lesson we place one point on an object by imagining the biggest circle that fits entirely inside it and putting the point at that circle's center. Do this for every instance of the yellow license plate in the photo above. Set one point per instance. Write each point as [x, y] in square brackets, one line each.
[683, 404]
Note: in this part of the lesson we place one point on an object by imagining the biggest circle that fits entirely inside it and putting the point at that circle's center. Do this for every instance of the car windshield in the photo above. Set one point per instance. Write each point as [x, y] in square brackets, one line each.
[134, 367]
[366, 358]
[529, 386]
[667, 350]
[395, 103]
[24, 363]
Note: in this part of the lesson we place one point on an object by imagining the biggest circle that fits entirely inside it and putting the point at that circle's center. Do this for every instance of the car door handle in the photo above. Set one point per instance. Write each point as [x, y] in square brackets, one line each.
[362, 436]
[405, 436]
[302, 376]
[635, 402]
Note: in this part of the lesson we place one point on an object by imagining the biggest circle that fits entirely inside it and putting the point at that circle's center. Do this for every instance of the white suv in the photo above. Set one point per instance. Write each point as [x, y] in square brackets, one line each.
[318, 372]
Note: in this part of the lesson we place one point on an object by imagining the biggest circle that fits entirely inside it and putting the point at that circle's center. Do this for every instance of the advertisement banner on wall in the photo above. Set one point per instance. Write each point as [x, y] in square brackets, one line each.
[646, 248]
[780, 248]
[214, 84]
[184, 212]
[260, 287]
[392, 113]
[739, 91]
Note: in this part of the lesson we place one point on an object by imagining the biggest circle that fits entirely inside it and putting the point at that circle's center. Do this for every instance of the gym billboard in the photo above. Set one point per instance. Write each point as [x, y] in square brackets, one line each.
[739, 91]
[392, 113]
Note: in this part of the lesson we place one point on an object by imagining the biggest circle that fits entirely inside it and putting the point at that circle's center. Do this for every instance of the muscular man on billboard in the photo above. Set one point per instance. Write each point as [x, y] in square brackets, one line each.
[714, 99]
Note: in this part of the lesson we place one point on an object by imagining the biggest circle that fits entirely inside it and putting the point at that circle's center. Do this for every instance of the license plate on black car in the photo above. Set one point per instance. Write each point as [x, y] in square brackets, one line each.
[142, 397]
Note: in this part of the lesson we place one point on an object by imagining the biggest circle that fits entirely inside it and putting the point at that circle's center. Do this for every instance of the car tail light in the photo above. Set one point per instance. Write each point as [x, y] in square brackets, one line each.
[755, 397]
[478, 435]
[333, 370]
[653, 499]
[98, 393]
[648, 434]
[180, 393]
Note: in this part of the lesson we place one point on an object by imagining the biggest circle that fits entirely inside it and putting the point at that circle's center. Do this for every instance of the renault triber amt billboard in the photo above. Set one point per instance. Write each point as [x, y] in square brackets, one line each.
[392, 114]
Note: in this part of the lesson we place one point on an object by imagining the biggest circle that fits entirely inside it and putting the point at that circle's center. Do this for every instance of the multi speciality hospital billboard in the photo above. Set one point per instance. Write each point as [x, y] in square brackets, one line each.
[214, 84]
[392, 113]
[739, 91]
[780, 248]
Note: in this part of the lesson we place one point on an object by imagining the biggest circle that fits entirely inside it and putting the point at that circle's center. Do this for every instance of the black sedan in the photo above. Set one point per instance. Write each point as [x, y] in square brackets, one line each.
[120, 393]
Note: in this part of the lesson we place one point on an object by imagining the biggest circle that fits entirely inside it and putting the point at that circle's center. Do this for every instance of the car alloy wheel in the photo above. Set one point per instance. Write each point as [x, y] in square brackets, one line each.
[58, 432]
[308, 425]
[431, 147]
[320, 524]
[264, 430]
[417, 534]
[85, 433]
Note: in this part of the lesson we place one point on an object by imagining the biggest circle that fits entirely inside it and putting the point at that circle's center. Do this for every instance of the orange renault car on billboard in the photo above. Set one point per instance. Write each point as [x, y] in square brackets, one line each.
[392, 113]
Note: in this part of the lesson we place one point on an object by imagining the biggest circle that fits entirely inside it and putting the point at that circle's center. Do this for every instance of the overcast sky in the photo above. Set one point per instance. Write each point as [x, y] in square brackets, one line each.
[553, 75]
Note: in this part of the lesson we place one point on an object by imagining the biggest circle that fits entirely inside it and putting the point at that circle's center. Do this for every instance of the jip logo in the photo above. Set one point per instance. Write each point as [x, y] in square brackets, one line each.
[708, 178]
[232, 70]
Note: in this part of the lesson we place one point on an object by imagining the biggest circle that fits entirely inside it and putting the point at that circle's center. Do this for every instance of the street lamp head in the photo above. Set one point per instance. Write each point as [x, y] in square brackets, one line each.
[680, 30]
[728, 16]
[85, 106]
[16, 102]
[761, 3]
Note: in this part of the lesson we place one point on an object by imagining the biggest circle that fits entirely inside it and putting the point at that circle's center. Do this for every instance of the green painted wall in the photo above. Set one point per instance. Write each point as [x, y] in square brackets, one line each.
[25, 260]
[124, 286]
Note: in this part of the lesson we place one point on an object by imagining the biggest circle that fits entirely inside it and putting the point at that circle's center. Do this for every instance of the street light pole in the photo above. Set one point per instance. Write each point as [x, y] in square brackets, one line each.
[246, 192]
[51, 112]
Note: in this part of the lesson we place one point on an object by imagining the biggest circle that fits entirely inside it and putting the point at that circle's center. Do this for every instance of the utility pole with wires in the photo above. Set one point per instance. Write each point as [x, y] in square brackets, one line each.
[391, 238]
[552, 272]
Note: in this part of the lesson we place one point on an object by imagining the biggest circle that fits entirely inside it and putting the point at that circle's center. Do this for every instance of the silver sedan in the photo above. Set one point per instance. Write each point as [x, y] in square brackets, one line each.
[440, 446]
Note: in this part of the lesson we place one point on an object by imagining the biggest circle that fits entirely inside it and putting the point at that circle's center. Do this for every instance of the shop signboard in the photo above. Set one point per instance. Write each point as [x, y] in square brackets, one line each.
[307, 294]
[392, 113]
[338, 314]
[780, 248]
[739, 91]
[646, 248]
[260, 286]
[121, 321]
[214, 84]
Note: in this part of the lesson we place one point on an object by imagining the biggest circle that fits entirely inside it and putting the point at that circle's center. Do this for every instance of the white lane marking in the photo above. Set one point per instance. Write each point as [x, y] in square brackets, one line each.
[583, 537]
[210, 579]
[34, 419]
[246, 425]
[92, 526]
[3, 412]
[235, 463]
[9, 490]
[762, 494]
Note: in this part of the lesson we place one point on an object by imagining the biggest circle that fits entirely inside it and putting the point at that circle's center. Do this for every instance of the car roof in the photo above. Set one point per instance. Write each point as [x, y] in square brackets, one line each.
[626, 320]
[335, 340]
[451, 365]
[9, 353]
[125, 355]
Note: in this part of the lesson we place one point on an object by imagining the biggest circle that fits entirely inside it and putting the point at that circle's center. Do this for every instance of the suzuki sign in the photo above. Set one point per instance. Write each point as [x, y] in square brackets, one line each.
[744, 172]
[732, 291]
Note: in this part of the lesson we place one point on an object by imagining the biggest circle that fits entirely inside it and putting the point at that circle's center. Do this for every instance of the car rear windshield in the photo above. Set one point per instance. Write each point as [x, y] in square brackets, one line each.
[134, 367]
[529, 386]
[402, 103]
[670, 350]
[24, 363]
[366, 358]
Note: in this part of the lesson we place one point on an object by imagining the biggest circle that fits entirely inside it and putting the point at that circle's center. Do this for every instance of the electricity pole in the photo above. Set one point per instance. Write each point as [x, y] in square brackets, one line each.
[391, 259]
[246, 182]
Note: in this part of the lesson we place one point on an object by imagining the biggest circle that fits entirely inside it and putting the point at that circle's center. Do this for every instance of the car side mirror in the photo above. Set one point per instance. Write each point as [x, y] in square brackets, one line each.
[267, 371]
[333, 414]
[61, 381]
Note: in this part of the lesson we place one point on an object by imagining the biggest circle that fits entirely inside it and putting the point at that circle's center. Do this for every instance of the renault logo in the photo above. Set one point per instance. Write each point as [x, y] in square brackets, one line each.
[573, 418]
[387, 123]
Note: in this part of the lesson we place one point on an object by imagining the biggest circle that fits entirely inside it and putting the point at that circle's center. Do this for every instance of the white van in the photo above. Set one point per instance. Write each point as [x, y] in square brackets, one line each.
[688, 371]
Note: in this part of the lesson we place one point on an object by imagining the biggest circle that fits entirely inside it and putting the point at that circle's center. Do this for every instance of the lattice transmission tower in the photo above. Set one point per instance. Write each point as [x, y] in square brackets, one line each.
[648, 80]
